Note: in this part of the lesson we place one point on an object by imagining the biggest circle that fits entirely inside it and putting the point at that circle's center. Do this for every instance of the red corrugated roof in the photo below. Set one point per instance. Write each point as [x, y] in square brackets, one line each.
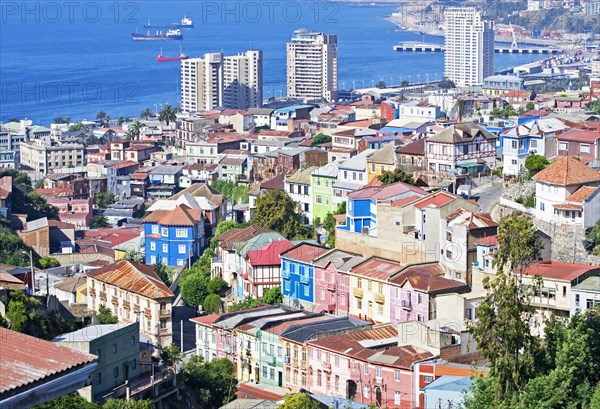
[377, 268]
[269, 255]
[134, 277]
[491, 241]
[25, 359]
[438, 199]
[559, 271]
[385, 192]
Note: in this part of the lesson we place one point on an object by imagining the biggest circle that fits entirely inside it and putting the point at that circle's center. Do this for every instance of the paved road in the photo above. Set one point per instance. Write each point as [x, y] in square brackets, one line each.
[488, 195]
[189, 335]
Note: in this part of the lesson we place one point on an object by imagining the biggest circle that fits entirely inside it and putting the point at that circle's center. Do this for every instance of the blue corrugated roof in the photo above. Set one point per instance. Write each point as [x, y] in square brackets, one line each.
[292, 108]
[450, 383]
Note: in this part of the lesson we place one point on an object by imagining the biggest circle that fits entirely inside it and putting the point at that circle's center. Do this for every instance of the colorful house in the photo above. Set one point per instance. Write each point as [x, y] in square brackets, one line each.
[370, 289]
[263, 268]
[384, 159]
[366, 366]
[297, 273]
[322, 181]
[173, 237]
[332, 282]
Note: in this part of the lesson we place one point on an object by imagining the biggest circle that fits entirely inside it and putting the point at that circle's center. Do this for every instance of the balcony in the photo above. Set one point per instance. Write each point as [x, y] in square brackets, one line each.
[327, 367]
[272, 360]
[165, 313]
[379, 298]
[127, 305]
[302, 364]
[357, 292]
[147, 312]
[103, 295]
[286, 360]
[295, 362]
[304, 279]
[285, 274]
[114, 300]
[378, 380]
[92, 292]
[331, 286]
[407, 305]
[136, 308]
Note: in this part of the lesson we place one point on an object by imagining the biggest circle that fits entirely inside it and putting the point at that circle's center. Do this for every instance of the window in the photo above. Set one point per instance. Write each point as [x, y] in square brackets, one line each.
[98, 378]
[132, 341]
[116, 372]
[533, 143]
[563, 146]
[165, 248]
[396, 398]
[264, 371]
[182, 249]
[542, 207]
[319, 199]
[319, 377]
[99, 351]
[359, 303]
[366, 391]
[179, 261]
[584, 148]
[337, 360]
[419, 298]
[359, 283]
[114, 348]
[154, 229]
[264, 347]
[271, 349]
[427, 379]
[279, 352]
[577, 300]
[287, 374]
[378, 372]
[164, 232]
[373, 167]
[337, 382]
[181, 233]
[306, 291]
[272, 373]
[366, 369]
[514, 144]
[134, 364]
[397, 375]
[318, 355]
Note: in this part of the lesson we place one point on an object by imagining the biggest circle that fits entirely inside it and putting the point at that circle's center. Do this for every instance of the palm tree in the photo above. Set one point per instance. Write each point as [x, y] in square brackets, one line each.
[167, 114]
[146, 113]
[134, 130]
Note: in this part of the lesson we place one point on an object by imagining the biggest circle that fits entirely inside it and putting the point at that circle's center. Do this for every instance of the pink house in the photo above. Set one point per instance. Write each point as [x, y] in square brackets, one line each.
[413, 291]
[77, 212]
[367, 366]
[332, 283]
[263, 268]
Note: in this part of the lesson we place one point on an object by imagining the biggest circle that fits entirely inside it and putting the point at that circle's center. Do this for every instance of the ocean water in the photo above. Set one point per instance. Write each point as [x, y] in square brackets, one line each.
[77, 58]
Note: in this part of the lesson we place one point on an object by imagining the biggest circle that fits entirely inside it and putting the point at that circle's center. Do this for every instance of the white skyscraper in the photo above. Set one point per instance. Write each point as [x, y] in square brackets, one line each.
[469, 44]
[221, 81]
[312, 66]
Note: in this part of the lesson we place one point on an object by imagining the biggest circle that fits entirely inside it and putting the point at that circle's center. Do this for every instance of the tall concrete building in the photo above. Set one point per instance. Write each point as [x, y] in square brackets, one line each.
[469, 44]
[312, 66]
[222, 81]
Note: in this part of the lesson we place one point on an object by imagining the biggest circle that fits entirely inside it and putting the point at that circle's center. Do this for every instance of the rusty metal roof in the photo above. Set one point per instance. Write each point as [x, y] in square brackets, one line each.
[134, 277]
[25, 359]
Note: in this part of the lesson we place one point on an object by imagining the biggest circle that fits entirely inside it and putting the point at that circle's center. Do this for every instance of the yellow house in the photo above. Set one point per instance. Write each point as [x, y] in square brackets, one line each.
[384, 159]
[248, 358]
[81, 293]
[370, 296]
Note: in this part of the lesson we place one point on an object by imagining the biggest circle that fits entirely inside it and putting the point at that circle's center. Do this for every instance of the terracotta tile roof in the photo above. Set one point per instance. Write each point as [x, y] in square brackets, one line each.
[470, 219]
[139, 147]
[350, 344]
[582, 194]
[25, 360]
[269, 255]
[54, 192]
[567, 171]
[400, 357]
[228, 238]
[560, 271]
[126, 164]
[568, 206]
[232, 161]
[305, 252]
[114, 236]
[376, 268]
[275, 183]
[182, 215]
[429, 278]
[135, 277]
[60, 225]
[463, 132]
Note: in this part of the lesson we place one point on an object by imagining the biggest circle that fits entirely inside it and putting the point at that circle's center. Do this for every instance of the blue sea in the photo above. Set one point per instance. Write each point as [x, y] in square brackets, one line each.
[76, 58]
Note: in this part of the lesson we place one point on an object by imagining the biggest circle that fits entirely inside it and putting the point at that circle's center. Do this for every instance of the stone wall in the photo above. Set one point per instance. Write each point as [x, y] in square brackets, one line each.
[567, 240]
[513, 189]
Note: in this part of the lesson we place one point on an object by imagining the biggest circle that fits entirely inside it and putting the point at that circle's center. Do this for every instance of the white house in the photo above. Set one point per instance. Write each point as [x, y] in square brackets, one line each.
[567, 192]
[298, 187]
[352, 175]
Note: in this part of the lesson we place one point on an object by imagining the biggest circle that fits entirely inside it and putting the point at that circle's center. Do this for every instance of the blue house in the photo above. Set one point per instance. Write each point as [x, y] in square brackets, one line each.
[361, 208]
[298, 274]
[173, 237]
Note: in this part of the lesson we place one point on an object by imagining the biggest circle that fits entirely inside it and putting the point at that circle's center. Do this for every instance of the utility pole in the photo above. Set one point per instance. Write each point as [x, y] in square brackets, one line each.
[181, 333]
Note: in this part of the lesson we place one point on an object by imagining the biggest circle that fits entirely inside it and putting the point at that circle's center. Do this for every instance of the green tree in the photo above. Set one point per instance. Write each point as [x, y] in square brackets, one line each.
[103, 199]
[60, 120]
[397, 175]
[77, 127]
[146, 113]
[329, 224]
[341, 209]
[273, 296]
[134, 255]
[194, 288]
[277, 211]
[12, 249]
[209, 385]
[216, 285]
[530, 106]
[380, 84]
[99, 222]
[48, 262]
[535, 163]
[17, 315]
[25, 201]
[225, 226]
[233, 192]
[20, 180]
[120, 121]
[299, 401]
[167, 114]
[503, 331]
[128, 404]
[212, 304]
[70, 401]
[39, 184]
[164, 272]
[446, 83]
[172, 354]
[105, 316]
[320, 139]
[134, 130]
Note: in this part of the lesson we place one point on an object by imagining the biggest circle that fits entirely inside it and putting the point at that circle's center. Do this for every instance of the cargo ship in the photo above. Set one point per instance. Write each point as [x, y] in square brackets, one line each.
[186, 22]
[172, 34]
[161, 58]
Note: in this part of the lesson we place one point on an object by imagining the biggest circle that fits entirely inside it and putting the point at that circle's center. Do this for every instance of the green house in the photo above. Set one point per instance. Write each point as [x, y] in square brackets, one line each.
[322, 181]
